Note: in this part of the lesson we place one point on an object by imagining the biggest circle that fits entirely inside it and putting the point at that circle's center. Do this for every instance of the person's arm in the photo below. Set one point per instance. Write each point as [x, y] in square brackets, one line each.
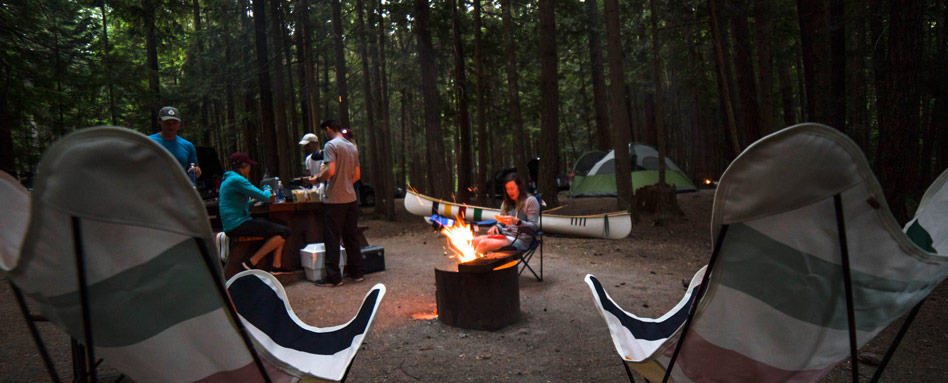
[192, 158]
[358, 175]
[531, 209]
[248, 189]
[326, 173]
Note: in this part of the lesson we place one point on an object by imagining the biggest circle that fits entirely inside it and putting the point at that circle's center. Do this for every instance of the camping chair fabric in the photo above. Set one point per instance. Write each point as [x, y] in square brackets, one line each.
[16, 215]
[116, 255]
[325, 353]
[536, 243]
[775, 307]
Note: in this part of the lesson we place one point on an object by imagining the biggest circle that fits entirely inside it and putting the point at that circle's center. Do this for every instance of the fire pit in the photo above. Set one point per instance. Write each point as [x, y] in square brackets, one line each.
[483, 294]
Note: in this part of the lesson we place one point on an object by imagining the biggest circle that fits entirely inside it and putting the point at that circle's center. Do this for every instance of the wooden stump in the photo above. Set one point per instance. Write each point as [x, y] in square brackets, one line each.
[478, 301]
[658, 199]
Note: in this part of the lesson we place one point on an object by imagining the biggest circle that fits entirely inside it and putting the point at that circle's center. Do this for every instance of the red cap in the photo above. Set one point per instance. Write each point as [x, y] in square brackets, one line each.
[241, 158]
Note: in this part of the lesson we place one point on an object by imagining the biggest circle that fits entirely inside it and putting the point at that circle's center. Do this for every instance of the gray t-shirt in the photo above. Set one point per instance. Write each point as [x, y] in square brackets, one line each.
[346, 156]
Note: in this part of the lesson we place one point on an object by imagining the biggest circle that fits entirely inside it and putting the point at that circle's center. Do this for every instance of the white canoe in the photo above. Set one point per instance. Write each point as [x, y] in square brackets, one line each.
[609, 225]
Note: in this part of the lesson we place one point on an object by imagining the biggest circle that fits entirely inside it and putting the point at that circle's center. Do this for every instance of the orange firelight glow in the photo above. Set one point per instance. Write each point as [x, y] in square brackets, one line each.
[459, 239]
[707, 182]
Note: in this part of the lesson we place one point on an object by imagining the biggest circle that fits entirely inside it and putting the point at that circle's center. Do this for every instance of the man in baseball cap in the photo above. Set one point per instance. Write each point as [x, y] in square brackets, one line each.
[182, 150]
[314, 156]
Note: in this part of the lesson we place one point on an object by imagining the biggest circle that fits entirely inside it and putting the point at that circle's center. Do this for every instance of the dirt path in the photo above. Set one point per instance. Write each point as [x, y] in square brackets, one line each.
[561, 337]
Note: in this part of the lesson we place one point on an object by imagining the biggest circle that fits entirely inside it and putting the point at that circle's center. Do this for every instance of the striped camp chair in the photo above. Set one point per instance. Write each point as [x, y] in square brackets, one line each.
[311, 351]
[118, 255]
[808, 266]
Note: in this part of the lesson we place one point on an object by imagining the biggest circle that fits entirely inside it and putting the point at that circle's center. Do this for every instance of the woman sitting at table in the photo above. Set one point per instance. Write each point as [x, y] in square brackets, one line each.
[237, 194]
[518, 210]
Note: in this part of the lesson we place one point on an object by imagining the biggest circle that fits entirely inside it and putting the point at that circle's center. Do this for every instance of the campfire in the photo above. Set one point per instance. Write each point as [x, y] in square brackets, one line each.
[459, 238]
[484, 292]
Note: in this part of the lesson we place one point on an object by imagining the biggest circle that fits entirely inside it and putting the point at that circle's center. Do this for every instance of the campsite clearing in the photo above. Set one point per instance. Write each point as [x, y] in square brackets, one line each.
[561, 337]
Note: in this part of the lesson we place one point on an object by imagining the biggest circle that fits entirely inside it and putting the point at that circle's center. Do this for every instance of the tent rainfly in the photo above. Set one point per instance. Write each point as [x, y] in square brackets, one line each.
[598, 179]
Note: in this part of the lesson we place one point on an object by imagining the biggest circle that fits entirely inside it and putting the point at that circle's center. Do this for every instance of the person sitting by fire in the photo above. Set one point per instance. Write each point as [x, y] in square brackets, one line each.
[518, 210]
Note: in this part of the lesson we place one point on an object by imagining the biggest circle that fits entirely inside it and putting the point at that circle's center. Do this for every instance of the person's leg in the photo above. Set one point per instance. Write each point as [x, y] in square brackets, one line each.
[491, 244]
[273, 243]
[350, 239]
[332, 231]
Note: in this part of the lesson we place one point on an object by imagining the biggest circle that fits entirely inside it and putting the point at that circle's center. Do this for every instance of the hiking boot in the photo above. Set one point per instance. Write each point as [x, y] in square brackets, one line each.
[325, 283]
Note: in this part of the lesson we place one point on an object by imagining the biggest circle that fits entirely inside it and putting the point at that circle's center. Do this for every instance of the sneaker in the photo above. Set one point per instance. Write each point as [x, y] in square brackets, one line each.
[247, 265]
[279, 271]
[325, 283]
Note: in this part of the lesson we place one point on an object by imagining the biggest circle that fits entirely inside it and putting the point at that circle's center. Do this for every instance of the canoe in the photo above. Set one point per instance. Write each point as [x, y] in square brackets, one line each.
[609, 225]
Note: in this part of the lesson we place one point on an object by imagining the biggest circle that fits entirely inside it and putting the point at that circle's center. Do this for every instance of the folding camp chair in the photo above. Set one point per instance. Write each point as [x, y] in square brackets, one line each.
[808, 266]
[117, 254]
[536, 243]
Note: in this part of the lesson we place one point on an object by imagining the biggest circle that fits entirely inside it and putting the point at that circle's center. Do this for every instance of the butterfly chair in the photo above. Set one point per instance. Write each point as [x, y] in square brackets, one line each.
[808, 265]
[117, 255]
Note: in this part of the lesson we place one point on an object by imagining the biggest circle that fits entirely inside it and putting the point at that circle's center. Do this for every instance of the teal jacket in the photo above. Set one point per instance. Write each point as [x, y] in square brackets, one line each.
[235, 200]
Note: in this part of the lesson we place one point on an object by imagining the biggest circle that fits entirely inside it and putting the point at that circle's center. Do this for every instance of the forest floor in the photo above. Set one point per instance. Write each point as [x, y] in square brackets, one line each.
[561, 336]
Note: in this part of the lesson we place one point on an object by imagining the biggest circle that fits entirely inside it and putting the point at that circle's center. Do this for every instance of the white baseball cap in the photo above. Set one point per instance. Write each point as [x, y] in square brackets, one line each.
[309, 137]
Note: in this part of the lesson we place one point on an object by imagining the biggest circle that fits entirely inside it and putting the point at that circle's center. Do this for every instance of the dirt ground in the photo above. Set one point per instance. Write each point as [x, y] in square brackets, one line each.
[561, 337]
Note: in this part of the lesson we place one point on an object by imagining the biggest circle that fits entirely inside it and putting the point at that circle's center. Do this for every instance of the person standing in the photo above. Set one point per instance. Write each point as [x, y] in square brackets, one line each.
[341, 170]
[314, 156]
[183, 150]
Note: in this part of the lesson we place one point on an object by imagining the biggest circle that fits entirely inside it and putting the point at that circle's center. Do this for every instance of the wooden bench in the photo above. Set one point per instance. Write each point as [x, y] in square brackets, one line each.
[241, 248]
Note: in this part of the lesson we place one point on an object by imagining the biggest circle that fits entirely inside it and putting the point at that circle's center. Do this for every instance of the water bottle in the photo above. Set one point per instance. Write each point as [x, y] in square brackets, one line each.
[192, 173]
[280, 197]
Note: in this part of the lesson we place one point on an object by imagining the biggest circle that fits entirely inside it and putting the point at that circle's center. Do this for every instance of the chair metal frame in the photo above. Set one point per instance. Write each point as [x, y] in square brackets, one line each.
[81, 365]
[844, 255]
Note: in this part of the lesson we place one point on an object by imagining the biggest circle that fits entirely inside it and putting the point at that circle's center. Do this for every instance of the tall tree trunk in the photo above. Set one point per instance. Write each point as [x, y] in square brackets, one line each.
[899, 107]
[386, 175]
[151, 59]
[402, 144]
[814, 39]
[198, 67]
[107, 62]
[837, 75]
[371, 130]
[762, 16]
[598, 78]
[723, 83]
[271, 159]
[309, 92]
[786, 95]
[856, 83]
[465, 160]
[549, 105]
[279, 89]
[940, 112]
[513, 93]
[341, 88]
[745, 75]
[659, 105]
[620, 116]
[438, 174]
[481, 145]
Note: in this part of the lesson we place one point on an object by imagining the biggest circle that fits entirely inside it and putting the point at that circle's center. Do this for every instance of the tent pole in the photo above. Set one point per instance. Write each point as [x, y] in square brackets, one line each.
[84, 295]
[694, 306]
[895, 342]
[33, 331]
[848, 284]
[225, 297]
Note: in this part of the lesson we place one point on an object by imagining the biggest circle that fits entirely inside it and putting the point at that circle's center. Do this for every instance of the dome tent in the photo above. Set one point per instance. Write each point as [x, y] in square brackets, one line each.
[600, 179]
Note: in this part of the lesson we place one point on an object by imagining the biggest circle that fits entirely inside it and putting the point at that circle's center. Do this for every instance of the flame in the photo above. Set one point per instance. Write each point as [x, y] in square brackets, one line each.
[459, 239]
[707, 182]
